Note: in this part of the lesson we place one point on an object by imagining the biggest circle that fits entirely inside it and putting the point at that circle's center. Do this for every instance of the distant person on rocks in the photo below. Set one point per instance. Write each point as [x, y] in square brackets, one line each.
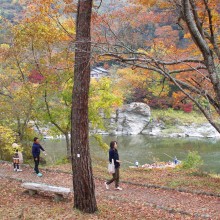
[36, 148]
[113, 154]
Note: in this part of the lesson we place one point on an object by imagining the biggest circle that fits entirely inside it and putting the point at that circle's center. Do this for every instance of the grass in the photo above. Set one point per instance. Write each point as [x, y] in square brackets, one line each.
[175, 183]
[214, 175]
[172, 117]
[171, 130]
[174, 178]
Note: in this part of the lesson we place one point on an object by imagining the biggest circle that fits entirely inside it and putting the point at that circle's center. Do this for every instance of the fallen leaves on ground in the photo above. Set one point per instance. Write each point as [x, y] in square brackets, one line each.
[133, 202]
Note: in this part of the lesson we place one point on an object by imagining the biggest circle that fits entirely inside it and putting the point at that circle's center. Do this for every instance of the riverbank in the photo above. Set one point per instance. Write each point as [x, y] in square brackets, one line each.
[139, 199]
[173, 123]
[137, 118]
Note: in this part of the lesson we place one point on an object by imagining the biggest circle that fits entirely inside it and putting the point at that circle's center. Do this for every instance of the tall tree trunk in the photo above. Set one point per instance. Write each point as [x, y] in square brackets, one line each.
[83, 182]
[68, 147]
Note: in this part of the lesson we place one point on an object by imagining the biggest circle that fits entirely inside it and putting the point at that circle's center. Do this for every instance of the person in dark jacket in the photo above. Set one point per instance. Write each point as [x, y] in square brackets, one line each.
[36, 148]
[113, 154]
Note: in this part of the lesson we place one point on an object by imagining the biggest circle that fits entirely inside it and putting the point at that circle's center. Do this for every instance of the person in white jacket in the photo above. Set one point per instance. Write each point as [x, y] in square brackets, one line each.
[17, 158]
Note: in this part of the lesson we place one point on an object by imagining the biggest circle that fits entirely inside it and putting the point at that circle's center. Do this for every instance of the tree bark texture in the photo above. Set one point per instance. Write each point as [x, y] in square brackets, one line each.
[68, 147]
[83, 182]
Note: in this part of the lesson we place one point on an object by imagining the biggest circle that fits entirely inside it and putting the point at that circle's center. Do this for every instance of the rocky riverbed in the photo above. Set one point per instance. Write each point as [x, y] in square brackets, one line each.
[135, 118]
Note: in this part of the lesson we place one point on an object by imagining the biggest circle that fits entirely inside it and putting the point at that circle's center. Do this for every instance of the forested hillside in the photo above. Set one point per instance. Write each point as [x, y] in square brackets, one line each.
[146, 46]
[142, 27]
[9, 9]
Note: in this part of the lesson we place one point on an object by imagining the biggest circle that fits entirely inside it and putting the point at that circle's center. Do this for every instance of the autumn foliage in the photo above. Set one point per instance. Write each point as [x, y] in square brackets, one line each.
[148, 45]
[179, 40]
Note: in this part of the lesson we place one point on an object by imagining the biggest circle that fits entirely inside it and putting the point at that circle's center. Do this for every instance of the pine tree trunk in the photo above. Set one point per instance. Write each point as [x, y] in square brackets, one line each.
[68, 147]
[83, 182]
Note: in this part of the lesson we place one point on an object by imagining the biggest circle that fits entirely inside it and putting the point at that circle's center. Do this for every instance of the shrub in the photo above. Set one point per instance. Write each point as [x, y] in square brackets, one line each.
[160, 102]
[188, 107]
[62, 161]
[7, 138]
[193, 161]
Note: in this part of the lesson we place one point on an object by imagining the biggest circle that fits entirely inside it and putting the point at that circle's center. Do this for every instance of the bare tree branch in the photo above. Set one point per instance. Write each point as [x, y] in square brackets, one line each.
[6, 95]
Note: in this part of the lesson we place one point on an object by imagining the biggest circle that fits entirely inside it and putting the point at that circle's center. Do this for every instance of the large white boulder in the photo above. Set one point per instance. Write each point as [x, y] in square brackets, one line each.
[130, 119]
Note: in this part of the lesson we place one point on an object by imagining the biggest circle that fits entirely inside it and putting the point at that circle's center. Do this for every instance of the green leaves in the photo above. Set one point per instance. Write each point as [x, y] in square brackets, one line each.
[7, 138]
[103, 99]
[193, 160]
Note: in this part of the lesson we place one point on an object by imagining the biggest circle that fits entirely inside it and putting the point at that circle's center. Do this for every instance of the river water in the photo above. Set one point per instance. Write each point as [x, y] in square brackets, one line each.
[147, 149]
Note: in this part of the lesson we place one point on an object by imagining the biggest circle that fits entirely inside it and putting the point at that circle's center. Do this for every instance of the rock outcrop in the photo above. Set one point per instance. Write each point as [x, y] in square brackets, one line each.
[135, 118]
[130, 119]
[159, 129]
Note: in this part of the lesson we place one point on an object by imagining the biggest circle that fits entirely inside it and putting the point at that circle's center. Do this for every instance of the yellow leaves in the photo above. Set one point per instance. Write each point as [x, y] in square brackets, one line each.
[40, 33]
[4, 49]
[102, 144]
[4, 46]
[142, 51]
[105, 58]
[7, 138]
[70, 27]
[45, 23]
[104, 96]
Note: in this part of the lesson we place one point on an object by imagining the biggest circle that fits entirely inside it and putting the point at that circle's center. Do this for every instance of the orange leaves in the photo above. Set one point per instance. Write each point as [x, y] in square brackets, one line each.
[149, 3]
[158, 3]
[42, 23]
[68, 1]
[51, 8]
[187, 35]
[177, 98]
[163, 30]
[132, 78]
[70, 9]
[165, 4]
[207, 21]
[166, 35]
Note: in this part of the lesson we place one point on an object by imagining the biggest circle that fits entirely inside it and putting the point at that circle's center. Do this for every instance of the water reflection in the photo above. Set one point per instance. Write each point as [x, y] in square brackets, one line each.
[146, 149]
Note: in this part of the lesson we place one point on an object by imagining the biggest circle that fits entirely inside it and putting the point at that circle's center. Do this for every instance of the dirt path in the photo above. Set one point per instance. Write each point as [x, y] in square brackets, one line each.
[174, 203]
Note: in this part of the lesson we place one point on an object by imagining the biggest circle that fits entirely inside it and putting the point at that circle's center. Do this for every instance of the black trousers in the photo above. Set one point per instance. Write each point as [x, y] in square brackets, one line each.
[115, 177]
[36, 164]
[16, 166]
